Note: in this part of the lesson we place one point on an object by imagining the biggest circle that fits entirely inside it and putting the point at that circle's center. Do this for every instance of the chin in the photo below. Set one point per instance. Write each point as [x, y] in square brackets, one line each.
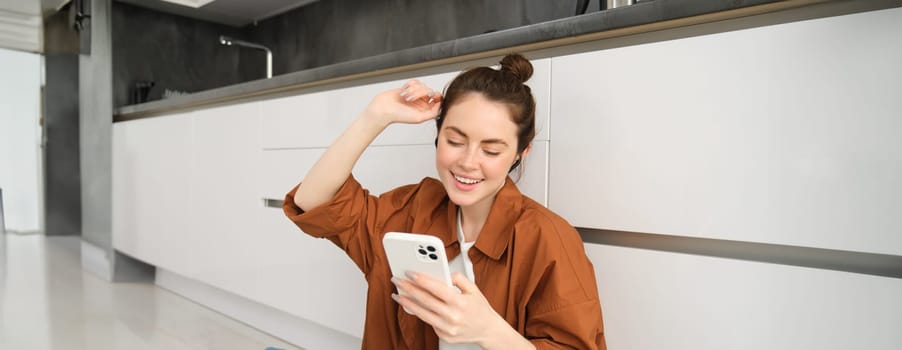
[455, 196]
[460, 200]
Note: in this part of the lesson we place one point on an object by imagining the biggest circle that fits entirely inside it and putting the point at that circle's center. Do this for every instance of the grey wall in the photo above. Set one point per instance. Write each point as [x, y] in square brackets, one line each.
[181, 53]
[95, 129]
[334, 31]
[176, 53]
[62, 179]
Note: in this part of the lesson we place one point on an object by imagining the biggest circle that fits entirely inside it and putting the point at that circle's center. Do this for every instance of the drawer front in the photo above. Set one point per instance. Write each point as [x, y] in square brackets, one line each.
[316, 119]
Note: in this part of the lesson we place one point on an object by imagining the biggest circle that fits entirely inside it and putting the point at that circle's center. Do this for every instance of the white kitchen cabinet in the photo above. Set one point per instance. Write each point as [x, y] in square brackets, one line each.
[324, 285]
[305, 276]
[532, 179]
[152, 164]
[310, 277]
[224, 232]
[316, 119]
[381, 169]
[658, 300]
[785, 134]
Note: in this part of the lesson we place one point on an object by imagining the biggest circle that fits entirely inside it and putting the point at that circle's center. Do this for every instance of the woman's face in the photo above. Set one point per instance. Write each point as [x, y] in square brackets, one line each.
[477, 144]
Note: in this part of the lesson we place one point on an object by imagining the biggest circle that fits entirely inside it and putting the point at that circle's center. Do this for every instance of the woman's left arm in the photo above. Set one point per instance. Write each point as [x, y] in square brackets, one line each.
[465, 317]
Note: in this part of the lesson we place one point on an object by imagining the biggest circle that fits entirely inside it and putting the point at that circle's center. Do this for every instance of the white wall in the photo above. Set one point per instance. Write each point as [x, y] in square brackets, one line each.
[20, 139]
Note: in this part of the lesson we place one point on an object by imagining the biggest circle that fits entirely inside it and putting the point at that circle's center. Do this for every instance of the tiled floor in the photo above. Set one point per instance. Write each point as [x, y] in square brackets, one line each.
[48, 302]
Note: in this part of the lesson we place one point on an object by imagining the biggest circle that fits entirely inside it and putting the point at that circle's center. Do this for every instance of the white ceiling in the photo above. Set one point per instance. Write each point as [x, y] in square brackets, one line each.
[235, 13]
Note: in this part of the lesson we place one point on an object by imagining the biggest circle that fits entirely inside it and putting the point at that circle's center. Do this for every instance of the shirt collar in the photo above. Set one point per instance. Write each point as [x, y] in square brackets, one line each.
[498, 230]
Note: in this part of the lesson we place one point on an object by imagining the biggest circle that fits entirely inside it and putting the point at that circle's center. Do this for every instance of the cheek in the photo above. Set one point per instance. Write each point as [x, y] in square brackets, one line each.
[500, 166]
[443, 157]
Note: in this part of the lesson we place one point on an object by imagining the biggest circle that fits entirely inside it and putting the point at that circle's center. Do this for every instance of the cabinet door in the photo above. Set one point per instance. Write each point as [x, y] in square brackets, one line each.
[533, 176]
[779, 134]
[540, 84]
[657, 300]
[224, 232]
[151, 188]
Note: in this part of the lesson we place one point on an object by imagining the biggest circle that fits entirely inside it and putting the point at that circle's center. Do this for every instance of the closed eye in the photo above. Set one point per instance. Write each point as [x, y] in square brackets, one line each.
[454, 143]
[491, 153]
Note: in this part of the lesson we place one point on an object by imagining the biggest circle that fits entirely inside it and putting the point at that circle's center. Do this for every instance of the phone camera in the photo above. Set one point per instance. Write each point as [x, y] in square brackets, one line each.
[431, 249]
[433, 256]
[422, 252]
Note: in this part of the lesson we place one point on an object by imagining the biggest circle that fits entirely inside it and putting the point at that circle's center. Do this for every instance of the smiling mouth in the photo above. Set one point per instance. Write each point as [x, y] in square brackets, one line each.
[465, 180]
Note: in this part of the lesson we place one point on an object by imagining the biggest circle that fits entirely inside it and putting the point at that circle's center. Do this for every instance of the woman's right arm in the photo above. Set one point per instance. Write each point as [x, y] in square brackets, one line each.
[414, 103]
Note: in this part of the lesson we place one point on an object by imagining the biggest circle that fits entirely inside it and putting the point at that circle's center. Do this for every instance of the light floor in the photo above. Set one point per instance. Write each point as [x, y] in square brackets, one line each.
[48, 302]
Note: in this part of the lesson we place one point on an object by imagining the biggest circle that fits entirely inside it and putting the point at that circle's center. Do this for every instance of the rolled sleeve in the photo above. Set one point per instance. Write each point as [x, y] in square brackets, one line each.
[353, 219]
[342, 213]
[345, 220]
[565, 312]
[576, 326]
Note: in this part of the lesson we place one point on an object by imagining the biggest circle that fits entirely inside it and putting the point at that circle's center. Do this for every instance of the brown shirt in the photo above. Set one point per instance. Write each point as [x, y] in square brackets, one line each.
[529, 263]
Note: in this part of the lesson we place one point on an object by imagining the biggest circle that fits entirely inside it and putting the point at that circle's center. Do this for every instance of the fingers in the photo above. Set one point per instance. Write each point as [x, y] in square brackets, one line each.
[424, 300]
[420, 310]
[434, 286]
[464, 284]
[415, 91]
[413, 103]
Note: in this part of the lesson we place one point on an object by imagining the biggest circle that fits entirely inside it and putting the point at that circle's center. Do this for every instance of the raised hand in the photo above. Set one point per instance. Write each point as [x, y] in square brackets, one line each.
[413, 103]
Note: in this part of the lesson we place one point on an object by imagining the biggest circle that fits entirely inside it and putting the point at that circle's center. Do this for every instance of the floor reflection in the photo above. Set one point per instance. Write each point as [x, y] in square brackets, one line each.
[48, 302]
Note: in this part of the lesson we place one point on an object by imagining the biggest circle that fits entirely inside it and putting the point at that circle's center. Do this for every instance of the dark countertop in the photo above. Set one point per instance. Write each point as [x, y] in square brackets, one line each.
[642, 17]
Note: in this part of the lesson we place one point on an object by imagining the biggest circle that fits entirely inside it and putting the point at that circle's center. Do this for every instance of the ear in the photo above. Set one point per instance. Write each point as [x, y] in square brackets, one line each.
[526, 151]
[520, 158]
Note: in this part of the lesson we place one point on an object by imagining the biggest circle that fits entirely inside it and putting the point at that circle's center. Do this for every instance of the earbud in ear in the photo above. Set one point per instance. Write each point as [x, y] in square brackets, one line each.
[516, 163]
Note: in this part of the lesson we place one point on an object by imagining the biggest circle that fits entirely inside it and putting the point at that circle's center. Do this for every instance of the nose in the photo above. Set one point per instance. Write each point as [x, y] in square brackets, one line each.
[467, 161]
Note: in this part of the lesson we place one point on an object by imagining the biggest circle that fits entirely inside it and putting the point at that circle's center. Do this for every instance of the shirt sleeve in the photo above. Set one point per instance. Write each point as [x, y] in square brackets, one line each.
[565, 312]
[352, 219]
[576, 326]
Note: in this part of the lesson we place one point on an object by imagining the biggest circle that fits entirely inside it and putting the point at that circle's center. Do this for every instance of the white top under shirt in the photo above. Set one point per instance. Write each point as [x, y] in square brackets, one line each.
[463, 265]
[462, 262]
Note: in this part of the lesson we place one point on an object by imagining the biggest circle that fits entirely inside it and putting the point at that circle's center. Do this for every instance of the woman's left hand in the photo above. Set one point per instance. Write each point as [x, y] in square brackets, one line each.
[465, 317]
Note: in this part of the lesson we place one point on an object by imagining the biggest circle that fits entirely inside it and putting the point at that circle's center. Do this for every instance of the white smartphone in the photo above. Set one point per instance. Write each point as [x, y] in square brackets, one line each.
[418, 253]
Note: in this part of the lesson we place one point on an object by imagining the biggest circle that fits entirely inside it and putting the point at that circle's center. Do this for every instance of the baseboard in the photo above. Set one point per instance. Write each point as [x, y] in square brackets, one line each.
[129, 269]
[95, 260]
[280, 324]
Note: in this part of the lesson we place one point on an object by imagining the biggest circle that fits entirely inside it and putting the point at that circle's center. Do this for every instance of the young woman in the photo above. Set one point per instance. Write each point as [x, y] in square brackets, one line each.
[524, 279]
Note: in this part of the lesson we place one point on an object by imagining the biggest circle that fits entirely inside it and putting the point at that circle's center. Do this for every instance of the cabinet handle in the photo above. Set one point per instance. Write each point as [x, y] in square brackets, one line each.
[272, 203]
[827, 259]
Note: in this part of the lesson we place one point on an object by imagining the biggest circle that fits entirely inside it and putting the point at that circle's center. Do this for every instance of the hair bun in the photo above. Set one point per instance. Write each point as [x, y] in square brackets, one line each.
[517, 65]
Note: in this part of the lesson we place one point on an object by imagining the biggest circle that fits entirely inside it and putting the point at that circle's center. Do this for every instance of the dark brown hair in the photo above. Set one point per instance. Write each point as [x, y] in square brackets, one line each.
[505, 85]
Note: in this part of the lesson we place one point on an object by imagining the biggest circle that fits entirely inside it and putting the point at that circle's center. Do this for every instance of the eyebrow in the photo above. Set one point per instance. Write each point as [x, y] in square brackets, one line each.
[491, 141]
